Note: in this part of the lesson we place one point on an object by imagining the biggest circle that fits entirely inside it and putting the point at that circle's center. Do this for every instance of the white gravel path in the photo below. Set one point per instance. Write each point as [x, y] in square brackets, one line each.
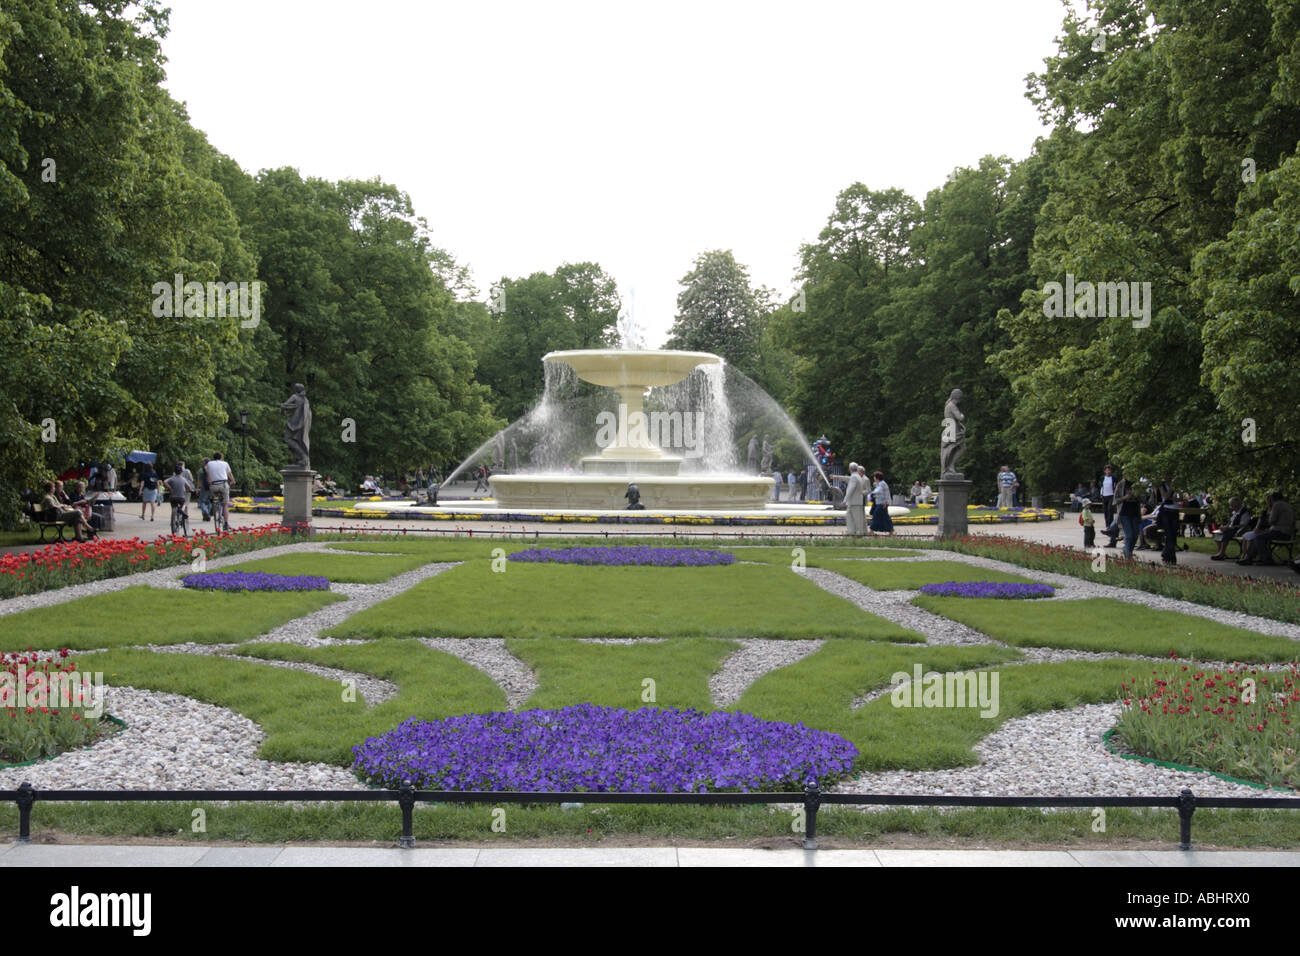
[307, 630]
[1051, 753]
[174, 742]
[515, 678]
[894, 606]
[756, 657]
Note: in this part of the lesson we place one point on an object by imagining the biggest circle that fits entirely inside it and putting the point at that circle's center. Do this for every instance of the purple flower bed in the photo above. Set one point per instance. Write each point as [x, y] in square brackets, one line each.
[255, 581]
[609, 749]
[620, 555]
[988, 589]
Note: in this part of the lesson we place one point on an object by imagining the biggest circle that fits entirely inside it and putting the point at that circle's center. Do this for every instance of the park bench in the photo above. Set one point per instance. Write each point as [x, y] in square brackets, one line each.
[1276, 548]
[45, 519]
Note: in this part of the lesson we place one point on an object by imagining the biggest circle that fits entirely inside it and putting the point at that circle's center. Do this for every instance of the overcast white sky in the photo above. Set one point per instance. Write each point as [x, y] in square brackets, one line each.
[637, 136]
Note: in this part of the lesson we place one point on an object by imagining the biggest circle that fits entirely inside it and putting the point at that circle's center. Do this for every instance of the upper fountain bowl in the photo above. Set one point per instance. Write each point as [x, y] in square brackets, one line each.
[617, 368]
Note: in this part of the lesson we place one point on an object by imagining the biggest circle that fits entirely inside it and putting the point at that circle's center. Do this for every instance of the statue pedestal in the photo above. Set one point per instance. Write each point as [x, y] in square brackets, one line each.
[954, 495]
[298, 484]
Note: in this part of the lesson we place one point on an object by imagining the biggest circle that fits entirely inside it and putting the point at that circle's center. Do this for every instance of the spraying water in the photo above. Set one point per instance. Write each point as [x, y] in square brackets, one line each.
[704, 419]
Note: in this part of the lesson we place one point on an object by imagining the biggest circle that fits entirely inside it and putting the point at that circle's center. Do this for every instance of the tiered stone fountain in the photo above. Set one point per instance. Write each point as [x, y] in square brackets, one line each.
[632, 458]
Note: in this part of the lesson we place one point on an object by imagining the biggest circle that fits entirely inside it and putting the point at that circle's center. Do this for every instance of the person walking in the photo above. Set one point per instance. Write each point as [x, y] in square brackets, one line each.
[1108, 495]
[1006, 487]
[148, 492]
[1167, 522]
[1130, 519]
[881, 523]
[855, 514]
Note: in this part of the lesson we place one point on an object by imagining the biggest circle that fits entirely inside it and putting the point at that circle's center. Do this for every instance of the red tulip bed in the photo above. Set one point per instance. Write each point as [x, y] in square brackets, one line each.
[46, 706]
[1238, 721]
[60, 565]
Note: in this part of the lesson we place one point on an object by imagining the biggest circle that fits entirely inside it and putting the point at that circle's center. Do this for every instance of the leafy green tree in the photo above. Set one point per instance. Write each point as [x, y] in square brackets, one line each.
[100, 201]
[719, 311]
[1154, 132]
[861, 256]
[356, 309]
[576, 307]
[1249, 283]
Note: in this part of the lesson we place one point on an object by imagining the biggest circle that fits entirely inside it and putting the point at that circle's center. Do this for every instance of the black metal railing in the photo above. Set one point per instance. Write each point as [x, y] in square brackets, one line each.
[812, 799]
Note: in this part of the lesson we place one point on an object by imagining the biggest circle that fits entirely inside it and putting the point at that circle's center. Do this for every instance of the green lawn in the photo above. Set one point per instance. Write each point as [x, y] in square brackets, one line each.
[344, 568]
[814, 556]
[433, 548]
[549, 600]
[592, 824]
[612, 675]
[144, 615]
[920, 738]
[1104, 624]
[305, 716]
[910, 575]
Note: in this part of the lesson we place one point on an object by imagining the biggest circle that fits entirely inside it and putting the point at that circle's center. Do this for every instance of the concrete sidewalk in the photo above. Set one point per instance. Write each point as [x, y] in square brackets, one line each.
[61, 855]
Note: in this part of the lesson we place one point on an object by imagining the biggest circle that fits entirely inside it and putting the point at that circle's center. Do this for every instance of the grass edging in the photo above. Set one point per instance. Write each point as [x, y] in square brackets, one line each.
[1170, 765]
[27, 763]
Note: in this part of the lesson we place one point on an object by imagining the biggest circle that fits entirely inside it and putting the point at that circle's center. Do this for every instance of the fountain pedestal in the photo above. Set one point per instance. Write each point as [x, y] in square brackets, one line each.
[631, 458]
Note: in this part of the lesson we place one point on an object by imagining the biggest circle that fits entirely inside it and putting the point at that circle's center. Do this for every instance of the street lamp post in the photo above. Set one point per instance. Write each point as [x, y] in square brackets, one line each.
[243, 448]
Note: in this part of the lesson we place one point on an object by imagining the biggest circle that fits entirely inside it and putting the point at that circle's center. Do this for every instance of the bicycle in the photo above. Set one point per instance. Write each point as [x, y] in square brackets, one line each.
[180, 517]
[221, 507]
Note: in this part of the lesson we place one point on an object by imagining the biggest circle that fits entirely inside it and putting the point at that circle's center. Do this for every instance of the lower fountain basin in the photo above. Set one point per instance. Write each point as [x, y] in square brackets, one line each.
[606, 492]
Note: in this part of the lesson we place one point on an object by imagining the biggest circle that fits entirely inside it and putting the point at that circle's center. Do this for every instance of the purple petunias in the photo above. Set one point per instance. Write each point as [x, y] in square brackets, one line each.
[591, 748]
[987, 589]
[255, 581]
[625, 555]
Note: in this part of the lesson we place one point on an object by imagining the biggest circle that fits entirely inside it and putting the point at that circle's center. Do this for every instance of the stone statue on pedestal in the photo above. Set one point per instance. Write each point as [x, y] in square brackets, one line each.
[766, 466]
[953, 443]
[297, 427]
[753, 454]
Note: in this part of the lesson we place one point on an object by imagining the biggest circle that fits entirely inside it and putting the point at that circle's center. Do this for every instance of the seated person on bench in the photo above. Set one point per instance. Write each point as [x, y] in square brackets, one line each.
[1239, 522]
[51, 509]
[1281, 526]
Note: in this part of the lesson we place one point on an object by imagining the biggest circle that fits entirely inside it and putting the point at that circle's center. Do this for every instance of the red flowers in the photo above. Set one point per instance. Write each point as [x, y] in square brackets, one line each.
[59, 565]
[1196, 725]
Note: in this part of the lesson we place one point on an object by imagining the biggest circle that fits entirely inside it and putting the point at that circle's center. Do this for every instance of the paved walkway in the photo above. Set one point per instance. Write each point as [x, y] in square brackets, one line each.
[1064, 533]
[108, 855]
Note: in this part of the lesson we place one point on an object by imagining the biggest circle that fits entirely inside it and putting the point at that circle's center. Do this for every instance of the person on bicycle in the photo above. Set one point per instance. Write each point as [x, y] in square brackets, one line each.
[179, 489]
[220, 478]
[204, 491]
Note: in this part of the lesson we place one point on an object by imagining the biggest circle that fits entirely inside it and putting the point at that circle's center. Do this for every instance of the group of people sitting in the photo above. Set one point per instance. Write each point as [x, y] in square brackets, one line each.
[1153, 522]
[920, 493]
[73, 509]
[1256, 534]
